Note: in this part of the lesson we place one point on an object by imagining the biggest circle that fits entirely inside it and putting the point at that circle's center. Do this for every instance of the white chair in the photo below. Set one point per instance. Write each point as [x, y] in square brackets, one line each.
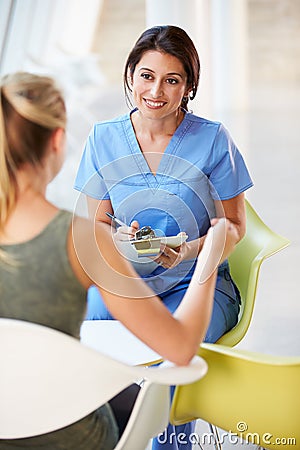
[49, 380]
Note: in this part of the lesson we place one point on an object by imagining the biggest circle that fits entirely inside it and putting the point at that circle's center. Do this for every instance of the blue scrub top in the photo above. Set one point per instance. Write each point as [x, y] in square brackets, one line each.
[200, 164]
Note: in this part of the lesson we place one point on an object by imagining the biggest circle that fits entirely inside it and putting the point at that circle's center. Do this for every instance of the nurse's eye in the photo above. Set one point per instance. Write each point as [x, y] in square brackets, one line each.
[172, 81]
[147, 76]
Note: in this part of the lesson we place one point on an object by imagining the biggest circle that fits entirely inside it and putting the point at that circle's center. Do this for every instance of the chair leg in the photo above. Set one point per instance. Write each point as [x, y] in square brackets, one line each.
[215, 432]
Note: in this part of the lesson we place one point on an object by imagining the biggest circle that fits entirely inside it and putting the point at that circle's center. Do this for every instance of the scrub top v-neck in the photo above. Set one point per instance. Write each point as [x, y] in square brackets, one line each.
[200, 164]
[171, 149]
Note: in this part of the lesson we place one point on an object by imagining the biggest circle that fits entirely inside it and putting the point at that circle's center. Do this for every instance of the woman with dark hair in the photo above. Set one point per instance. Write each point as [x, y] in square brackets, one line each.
[169, 40]
[162, 166]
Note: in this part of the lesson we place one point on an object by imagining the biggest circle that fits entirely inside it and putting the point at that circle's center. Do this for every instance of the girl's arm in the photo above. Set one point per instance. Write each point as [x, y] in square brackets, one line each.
[95, 259]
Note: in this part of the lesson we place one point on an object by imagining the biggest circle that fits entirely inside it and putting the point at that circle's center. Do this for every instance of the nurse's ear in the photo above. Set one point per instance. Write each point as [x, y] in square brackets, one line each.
[187, 92]
[185, 98]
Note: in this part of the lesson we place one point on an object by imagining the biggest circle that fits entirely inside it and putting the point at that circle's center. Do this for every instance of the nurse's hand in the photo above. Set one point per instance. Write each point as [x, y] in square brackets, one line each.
[126, 233]
[171, 257]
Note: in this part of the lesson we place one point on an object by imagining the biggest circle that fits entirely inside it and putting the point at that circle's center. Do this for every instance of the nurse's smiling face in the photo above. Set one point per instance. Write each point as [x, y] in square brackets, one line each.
[159, 83]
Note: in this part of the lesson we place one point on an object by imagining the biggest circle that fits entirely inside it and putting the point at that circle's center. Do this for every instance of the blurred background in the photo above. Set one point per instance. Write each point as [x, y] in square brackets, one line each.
[250, 80]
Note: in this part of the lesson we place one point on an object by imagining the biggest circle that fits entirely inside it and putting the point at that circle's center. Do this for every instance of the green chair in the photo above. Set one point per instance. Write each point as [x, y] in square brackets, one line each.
[259, 243]
[249, 395]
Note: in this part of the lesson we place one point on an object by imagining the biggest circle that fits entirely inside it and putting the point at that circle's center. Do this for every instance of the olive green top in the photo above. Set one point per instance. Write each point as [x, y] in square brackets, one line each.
[43, 288]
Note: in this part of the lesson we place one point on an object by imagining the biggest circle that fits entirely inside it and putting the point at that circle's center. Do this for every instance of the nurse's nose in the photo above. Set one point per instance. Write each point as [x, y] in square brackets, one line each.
[156, 89]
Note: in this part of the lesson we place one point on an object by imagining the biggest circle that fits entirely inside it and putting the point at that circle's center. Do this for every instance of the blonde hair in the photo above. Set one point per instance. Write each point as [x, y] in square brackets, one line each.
[26, 100]
[31, 107]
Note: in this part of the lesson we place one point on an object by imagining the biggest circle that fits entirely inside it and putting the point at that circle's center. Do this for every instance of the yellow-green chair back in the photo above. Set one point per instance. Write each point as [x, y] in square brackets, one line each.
[243, 389]
[254, 396]
[259, 243]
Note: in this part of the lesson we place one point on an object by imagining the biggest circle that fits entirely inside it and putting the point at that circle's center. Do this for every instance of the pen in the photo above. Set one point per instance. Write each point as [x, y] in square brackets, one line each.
[117, 221]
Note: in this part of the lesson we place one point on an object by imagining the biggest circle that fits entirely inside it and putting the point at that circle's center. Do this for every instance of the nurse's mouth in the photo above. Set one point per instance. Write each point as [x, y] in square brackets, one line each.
[154, 105]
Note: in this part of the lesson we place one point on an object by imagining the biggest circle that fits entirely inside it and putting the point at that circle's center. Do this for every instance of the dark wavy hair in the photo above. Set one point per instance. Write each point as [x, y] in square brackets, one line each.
[168, 39]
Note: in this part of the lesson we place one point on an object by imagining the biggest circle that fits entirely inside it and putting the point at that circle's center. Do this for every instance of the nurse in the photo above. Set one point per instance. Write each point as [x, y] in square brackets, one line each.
[163, 166]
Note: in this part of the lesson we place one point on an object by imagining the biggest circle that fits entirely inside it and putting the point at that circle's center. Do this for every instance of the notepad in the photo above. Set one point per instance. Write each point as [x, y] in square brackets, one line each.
[151, 246]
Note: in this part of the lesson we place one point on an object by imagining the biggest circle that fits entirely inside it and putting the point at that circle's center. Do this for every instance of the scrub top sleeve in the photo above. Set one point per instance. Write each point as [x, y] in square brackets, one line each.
[230, 176]
[89, 179]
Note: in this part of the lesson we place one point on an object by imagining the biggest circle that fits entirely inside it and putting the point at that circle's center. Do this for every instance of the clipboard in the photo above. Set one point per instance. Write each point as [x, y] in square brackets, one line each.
[151, 246]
